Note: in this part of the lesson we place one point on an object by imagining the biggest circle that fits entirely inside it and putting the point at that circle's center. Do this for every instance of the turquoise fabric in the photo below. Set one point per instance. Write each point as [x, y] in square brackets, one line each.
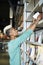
[14, 47]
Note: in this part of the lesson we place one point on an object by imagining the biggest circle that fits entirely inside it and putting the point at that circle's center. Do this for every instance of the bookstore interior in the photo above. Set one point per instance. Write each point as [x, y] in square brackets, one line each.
[25, 49]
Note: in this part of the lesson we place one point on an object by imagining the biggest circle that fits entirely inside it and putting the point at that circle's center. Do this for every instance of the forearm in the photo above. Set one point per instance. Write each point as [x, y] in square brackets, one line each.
[35, 22]
[32, 26]
[28, 32]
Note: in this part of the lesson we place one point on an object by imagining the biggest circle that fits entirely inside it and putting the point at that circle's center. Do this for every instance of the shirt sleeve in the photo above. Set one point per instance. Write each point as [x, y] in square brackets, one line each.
[16, 42]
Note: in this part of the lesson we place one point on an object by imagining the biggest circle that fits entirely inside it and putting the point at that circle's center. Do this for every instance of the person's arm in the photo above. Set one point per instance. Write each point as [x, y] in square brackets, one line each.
[15, 43]
[35, 22]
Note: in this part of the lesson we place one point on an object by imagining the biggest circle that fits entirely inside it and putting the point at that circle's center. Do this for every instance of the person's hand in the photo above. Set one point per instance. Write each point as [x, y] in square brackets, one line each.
[38, 18]
[34, 20]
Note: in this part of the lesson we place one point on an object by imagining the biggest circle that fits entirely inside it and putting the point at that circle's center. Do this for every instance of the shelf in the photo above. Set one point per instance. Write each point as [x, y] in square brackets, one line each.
[28, 1]
[40, 24]
[34, 43]
[28, 56]
[3, 42]
[30, 6]
[38, 7]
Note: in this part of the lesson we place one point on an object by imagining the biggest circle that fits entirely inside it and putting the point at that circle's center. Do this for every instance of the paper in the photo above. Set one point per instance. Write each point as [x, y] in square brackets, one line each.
[36, 15]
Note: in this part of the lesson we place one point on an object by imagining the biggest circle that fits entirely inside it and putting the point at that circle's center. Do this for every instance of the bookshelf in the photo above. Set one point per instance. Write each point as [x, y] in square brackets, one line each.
[33, 6]
[34, 9]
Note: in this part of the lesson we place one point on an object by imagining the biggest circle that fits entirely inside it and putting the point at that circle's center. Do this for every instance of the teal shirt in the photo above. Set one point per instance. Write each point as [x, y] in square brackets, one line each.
[14, 48]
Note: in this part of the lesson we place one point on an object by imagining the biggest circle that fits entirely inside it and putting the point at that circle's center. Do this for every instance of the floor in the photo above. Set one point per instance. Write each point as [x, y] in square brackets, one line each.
[4, 59]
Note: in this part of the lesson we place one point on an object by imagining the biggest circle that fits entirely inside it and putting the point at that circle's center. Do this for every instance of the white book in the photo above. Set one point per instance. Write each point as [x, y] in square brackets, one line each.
[36, 15]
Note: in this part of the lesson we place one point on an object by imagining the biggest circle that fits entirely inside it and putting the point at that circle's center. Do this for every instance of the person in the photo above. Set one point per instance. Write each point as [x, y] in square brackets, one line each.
[14, 44]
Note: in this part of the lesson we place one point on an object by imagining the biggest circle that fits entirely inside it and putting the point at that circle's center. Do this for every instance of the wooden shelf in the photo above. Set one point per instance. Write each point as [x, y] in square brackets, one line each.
[40, 24]
[30, 6]
[28, 1]
[35, 9]
[34, 43]
[28, 56]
